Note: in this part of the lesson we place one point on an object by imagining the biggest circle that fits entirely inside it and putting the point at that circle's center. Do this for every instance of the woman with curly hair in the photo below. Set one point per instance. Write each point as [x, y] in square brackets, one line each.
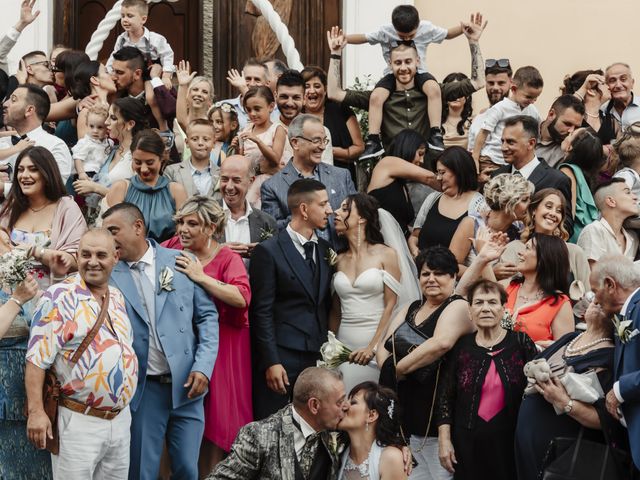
[374, 432]
[508, 198]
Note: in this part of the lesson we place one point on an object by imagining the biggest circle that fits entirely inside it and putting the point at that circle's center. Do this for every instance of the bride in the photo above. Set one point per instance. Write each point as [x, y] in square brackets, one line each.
[369, 283]
[374, 435]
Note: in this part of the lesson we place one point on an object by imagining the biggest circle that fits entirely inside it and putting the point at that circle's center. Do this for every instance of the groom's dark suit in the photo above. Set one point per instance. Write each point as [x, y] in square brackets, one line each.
[289, 314]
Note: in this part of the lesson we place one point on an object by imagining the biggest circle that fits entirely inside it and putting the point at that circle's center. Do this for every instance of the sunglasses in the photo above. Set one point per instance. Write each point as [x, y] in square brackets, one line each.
[501, 62]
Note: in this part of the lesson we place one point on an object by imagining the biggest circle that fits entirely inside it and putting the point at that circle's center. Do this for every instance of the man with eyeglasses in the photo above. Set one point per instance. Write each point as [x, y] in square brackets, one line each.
[308, 141]
[38, 68]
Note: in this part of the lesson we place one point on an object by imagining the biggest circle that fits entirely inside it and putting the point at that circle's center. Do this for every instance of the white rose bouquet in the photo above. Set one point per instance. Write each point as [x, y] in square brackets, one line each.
[15, 265]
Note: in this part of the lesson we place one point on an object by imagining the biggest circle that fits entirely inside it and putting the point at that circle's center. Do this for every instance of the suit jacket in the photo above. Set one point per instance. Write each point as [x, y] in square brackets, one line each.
[627, 373]
[274, 192]
[181, 173]
[265, 450]
[260, 223]
[186, 323]
[285, 309]
[544, 176]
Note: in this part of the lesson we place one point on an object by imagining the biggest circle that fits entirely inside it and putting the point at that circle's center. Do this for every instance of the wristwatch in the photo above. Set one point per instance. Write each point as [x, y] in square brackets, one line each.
[568, 407]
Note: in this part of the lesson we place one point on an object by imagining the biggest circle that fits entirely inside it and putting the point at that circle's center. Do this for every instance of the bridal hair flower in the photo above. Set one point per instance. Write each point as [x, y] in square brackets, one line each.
[390, 408]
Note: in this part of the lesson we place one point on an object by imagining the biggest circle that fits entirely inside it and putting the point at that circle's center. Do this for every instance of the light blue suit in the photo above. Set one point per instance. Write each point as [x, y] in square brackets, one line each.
[187, 328]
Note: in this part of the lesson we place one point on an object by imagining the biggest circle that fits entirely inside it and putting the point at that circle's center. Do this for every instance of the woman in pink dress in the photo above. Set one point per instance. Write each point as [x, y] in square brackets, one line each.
[221, 273]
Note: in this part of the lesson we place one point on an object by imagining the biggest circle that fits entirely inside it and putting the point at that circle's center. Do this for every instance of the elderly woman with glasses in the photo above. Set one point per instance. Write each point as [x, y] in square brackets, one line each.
[221, 273]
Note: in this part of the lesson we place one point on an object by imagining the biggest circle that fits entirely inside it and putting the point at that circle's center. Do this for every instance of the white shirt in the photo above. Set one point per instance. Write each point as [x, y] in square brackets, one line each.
[426, 33]
[56, 146]
[156, 361]
[151, 43]
[299, 241]
[238, 230]
[92, 152]
[202, 178]
[630, 114]
[528, 169]
[493, 121]
[598, 239]
[301, 434]
[474, 129]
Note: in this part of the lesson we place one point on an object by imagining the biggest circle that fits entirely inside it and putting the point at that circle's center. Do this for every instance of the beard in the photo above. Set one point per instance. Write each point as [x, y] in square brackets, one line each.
[555, 135]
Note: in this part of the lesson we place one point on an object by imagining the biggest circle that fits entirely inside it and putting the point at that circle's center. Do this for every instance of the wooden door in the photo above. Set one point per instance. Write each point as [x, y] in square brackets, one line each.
[177, 20]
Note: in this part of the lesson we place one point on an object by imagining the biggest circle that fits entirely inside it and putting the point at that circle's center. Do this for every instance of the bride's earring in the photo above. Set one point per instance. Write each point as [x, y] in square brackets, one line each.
[359, 238]
[366, 428]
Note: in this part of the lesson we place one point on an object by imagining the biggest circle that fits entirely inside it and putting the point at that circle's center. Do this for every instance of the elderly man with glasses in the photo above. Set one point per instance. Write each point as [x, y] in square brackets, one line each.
[308, 141]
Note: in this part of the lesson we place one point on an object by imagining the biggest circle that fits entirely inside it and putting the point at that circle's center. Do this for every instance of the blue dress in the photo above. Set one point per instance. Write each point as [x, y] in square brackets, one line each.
[19, 459]
[156, 204]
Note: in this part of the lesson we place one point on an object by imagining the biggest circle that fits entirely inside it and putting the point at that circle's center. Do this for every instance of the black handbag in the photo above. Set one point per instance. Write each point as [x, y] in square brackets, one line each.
[580, 459]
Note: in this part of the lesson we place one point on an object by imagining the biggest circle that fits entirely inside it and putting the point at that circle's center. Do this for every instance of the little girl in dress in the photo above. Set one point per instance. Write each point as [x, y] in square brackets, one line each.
[261, 140]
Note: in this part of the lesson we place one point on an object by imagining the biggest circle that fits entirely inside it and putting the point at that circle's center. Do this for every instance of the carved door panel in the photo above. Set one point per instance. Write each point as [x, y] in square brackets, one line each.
[234, 36]
[177, 20]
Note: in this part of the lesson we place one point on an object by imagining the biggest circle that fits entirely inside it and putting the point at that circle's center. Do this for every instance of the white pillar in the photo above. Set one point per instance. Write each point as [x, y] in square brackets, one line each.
[363, 16]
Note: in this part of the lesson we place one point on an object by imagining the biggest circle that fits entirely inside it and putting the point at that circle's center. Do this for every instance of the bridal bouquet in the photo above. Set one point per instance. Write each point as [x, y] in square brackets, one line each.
[334, 352]
[15, 265]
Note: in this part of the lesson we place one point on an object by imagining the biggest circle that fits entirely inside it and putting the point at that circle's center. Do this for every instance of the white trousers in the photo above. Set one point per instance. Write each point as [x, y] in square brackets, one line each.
[429, 467]
[92, 448]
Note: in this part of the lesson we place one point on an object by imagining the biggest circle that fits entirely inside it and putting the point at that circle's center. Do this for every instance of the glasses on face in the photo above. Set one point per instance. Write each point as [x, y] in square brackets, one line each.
[501, 62]
[45, 63]
[317, 142]
[168, 138]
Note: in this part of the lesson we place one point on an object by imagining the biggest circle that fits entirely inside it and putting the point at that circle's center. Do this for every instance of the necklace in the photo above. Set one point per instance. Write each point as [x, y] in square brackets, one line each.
[493, 342]
[592, 115]
[572, 350]
[362, 468]
[538, 296]
[36, 210]
[210, 257]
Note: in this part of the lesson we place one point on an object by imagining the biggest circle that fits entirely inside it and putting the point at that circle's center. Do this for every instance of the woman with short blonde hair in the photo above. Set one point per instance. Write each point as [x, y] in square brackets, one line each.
[222, 274]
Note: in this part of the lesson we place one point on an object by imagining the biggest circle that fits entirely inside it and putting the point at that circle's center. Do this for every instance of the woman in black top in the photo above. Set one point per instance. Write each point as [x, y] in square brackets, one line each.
[481, 390]
[441, 318]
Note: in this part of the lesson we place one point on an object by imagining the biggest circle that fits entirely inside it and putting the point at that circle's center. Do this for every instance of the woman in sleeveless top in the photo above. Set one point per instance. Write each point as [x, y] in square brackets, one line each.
[156, 197]
[373, 426]
[366, 285]
[388, 184]
[442, 212]
[441, 318]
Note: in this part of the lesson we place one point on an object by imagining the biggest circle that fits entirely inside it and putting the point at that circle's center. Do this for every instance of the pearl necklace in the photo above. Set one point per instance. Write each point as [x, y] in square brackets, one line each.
[570, 350]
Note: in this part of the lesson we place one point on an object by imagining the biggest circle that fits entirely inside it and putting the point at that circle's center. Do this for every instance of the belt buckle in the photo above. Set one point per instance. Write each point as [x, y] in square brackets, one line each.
[165, 379]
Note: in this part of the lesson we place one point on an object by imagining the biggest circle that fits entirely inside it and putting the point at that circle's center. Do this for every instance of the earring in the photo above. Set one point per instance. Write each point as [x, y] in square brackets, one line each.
[209, 243]
[359, 238]
[366, 428]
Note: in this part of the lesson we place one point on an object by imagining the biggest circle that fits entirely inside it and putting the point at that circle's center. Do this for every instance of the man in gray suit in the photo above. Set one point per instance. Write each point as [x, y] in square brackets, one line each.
[246, 226]
[308, 141]
[293, 443]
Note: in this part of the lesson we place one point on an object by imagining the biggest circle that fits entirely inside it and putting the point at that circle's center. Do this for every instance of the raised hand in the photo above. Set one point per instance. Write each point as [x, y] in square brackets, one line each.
[473, 30]
[236, 79]
[27, 15]
[184, 74]
[336, 39]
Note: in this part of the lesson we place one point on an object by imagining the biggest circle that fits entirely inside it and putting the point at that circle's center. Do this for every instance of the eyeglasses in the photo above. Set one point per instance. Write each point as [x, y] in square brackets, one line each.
[46, 64]
[501, 62]
[317, 142]
[631, 132]
[168, 138]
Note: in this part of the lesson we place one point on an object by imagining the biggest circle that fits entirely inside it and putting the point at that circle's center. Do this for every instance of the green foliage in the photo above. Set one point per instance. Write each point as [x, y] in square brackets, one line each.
[363, 115]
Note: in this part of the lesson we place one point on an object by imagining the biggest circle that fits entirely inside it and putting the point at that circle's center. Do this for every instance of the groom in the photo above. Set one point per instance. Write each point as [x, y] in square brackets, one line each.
[175, 336]
[290, 282]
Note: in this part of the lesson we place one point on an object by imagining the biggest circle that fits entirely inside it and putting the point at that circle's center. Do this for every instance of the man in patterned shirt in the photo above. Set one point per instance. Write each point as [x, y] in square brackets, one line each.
[93, 418]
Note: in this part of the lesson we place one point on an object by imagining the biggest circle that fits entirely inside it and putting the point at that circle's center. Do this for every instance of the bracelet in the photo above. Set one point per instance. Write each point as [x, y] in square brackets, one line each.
[579, 96]
[16, 301]
[335, 56]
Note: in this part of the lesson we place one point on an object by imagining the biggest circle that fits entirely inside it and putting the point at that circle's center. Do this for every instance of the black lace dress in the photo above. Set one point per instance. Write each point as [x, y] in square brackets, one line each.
[482, 428]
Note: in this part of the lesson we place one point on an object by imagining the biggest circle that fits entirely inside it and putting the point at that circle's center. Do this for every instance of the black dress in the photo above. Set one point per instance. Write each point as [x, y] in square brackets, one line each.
[483, 445]
[394, 198]
[416, 397]
[336, 116]
[538, 423]
[438, 229]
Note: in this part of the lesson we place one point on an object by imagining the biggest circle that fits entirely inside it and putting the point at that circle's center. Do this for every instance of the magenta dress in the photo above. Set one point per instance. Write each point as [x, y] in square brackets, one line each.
[227, 406]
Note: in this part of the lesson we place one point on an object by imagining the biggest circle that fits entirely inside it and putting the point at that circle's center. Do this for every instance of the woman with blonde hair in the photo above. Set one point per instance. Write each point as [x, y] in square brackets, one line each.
[221, 273]
[508, 198]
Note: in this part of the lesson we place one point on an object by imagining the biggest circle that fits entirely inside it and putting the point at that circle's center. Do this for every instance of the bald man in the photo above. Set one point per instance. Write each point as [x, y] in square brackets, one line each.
[245, 226]
[95, 412]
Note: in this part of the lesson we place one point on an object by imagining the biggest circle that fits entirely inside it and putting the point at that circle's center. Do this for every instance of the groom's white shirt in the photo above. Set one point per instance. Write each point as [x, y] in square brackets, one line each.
[300, 240]
[300, 435]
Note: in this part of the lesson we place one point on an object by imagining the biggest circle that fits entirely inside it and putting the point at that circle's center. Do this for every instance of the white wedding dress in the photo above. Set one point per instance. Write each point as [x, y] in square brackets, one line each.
[368, 470]
[362, 305]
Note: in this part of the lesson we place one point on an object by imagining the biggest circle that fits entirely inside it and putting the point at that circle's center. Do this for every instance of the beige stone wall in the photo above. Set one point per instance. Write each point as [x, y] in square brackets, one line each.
[556, 36]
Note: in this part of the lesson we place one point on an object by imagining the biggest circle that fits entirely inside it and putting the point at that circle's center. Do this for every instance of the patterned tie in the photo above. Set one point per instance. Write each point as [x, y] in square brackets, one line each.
[308, 453]
[309, 255]
[145, 289]
[518, 173]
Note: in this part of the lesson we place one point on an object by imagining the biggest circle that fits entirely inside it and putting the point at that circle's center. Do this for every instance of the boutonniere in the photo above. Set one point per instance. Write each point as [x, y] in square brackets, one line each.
[266, 233]
[335, 444]
[332, 257]
[166, 279]
[623, 329]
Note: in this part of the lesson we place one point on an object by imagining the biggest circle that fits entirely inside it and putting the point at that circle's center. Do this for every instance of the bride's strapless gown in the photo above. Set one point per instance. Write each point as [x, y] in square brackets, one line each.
[362, 304]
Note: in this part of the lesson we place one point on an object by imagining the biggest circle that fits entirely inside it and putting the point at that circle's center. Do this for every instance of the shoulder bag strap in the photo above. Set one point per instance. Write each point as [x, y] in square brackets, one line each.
[104, 310]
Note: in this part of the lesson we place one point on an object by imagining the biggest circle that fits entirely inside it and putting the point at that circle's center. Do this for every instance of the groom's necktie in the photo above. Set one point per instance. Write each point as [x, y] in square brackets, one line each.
[309, 249]
[308, 453]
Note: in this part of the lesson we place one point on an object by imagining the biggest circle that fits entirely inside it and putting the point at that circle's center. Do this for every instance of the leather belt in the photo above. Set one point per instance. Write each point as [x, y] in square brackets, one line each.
[164, 378]
[87, 410]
